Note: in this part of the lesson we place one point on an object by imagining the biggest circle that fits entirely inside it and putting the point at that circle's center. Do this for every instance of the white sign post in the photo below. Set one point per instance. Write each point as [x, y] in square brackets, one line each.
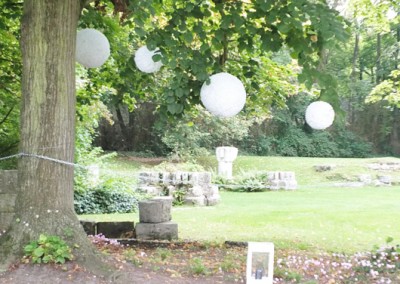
[260, 263]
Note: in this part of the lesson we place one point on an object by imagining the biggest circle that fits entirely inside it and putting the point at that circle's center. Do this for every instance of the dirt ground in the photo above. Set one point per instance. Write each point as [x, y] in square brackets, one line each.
[51, 274]
[193, 262]
[142, 264]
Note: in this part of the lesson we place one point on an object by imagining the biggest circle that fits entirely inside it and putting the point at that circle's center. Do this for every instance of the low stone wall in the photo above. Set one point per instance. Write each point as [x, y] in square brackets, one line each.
[282, 180]
[196, 186]
[8, 194]
[112, 230]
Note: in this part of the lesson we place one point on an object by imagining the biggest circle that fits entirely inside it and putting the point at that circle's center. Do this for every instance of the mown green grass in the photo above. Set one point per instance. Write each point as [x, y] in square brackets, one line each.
[317, 216]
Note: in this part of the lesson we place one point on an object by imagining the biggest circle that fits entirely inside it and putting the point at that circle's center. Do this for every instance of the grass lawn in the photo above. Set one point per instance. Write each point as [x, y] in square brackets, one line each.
[317, 216]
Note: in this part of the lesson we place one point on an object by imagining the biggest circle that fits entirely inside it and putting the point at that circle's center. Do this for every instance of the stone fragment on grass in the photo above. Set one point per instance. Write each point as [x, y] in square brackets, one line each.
[324, 168]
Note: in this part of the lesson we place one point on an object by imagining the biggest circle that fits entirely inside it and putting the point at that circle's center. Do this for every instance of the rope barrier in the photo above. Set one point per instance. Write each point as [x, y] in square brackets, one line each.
[19, 155]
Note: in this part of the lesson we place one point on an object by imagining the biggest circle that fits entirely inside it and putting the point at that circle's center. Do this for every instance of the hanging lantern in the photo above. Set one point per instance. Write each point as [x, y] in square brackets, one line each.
[144, 60]
[320, 115]
[92, 48]
[224, 96]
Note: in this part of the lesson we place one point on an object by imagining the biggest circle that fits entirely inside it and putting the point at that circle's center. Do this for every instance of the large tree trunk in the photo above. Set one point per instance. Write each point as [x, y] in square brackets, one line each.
[45, 198]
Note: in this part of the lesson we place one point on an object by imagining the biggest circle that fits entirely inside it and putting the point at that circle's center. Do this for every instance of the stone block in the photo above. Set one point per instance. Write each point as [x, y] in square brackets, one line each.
[7, 202]
[150, 189]
[195, 191]
[156, 210]
[115, 229]
[5, 221]
[196, 201]
[193, 178]
[8, 181]
[365, 178]
[89, 227]
[384, 179]
[160, 231]
[212, 200]
[195, 184]
[324, 168]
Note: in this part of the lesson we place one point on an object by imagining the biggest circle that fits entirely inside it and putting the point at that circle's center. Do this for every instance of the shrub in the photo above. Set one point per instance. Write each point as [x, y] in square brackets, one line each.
[111, 196]
[351, 145]
[244, 183]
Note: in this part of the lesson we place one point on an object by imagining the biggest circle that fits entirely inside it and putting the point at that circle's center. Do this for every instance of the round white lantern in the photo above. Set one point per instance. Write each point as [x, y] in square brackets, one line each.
[320, 115]
[225, 96]
[92, 48]
[144, 60]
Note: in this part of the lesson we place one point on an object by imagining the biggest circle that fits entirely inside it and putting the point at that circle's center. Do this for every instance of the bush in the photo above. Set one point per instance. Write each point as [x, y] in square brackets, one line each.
[112, 196]
[351, 145]
[255, 182]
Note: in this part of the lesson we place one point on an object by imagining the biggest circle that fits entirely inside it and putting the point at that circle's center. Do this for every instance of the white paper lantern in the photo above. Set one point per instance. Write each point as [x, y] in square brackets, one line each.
[144, 60]
[320, 115]
[225, 96]
[92, 48]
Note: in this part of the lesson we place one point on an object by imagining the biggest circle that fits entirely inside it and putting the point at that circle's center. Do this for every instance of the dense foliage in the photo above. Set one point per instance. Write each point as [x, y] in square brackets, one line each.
[199, 132]
[275, 48]
[10, 76]
[284, 133]
[110, 196]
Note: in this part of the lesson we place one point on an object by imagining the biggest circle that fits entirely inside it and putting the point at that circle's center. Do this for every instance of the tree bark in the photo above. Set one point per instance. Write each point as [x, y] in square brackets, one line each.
[124, 129]
[45, 199]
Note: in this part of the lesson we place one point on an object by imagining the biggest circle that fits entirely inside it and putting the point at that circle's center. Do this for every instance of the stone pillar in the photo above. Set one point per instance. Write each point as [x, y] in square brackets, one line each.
[225, 157]
[8, 194]
[155, 220]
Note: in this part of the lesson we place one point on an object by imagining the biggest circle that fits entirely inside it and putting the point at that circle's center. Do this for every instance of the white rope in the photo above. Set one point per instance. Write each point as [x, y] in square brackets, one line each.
[19, 155]
[10, 157]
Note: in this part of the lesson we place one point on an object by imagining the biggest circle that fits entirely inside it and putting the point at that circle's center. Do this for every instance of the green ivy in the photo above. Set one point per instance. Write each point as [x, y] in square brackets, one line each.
[111, 196]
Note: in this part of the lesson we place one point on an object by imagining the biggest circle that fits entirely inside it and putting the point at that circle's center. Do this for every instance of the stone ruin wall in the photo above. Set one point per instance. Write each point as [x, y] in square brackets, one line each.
[196, 186]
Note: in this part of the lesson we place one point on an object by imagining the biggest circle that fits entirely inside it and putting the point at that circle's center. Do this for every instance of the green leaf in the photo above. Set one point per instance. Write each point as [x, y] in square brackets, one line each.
[42, 239]
[60, 260]
[30, 248]
[140, 32]
[47, 259]
[188, 37]
[38, 252]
